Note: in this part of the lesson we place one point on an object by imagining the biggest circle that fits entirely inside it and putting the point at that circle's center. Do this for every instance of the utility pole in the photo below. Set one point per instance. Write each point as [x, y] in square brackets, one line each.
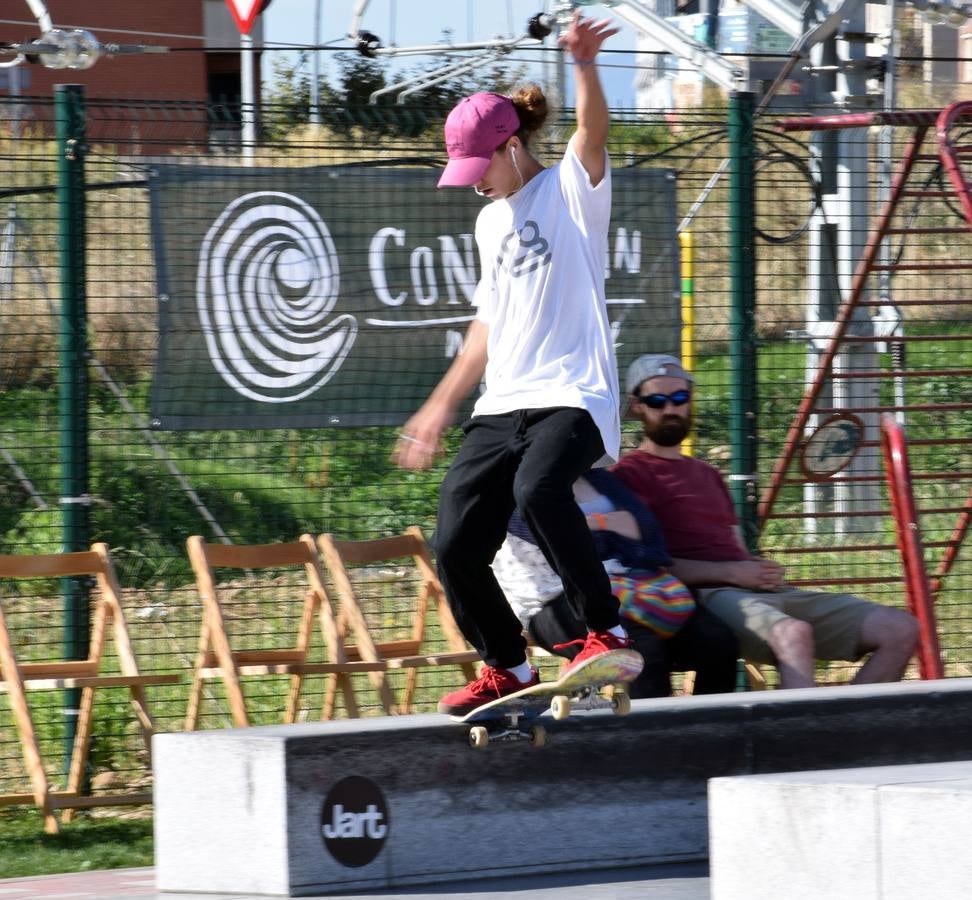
[73, 381]
[247, 104]
[838, 232]
[315, 86]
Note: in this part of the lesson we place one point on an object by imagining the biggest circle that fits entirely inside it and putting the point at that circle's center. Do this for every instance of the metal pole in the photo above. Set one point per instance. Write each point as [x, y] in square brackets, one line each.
[315, 86]
[742, 340]
[710, 9]
[17, 112]
[72, 381]
[823, 288]
[897, 472]
[247, 105]
[853, 203]
[885, 172]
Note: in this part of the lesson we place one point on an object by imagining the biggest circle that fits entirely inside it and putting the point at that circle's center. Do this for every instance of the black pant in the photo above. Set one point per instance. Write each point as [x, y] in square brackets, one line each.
[703, 644]
[528, 460]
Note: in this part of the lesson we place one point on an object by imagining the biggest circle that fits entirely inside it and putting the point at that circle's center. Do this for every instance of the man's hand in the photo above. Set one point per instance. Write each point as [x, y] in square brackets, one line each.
[584, 37]
[420, 440]
[619, 520]
[757, 574]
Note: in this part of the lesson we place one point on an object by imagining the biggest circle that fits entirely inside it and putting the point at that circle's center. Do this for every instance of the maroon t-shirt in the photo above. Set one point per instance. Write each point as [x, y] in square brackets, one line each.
[690, 501]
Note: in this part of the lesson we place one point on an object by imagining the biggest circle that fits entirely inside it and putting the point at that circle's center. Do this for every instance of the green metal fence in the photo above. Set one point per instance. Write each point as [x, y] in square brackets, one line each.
[84, 460]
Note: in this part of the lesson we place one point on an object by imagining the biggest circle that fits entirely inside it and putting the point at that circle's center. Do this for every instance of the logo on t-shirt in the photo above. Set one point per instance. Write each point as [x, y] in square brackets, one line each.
[524, 250]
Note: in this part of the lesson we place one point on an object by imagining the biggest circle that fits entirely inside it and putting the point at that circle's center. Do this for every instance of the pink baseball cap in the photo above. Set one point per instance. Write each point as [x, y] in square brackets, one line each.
[474, 129]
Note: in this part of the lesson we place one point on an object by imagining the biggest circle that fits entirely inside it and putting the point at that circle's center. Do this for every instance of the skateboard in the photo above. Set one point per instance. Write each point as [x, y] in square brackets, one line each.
[510, 718]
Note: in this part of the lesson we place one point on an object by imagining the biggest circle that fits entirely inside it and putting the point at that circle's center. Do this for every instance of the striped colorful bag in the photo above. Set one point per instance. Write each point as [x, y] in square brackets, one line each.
[660, 602]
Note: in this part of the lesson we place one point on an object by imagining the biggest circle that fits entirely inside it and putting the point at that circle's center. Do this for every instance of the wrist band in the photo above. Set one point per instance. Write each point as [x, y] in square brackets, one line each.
[599, 521]
[583, 63]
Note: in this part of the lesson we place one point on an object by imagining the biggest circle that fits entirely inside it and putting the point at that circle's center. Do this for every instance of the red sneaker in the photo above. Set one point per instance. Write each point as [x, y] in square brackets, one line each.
[491, 685]
[596, 643]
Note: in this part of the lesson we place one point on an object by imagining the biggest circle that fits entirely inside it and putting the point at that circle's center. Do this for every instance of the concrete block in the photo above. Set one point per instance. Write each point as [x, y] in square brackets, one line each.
[202, 839]
[925, 831]
[383, 802]
[879, 833]
[306, 809]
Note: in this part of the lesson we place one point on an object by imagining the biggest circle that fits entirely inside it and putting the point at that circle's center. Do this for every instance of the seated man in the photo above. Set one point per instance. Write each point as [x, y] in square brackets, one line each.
[657, 611]
[782, 626]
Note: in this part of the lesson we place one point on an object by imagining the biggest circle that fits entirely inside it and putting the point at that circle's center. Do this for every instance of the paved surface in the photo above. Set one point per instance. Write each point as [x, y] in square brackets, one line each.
[671, 882]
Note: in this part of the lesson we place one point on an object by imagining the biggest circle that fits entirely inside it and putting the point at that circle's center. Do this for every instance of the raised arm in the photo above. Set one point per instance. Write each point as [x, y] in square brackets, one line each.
[420, 440]
[583, 40]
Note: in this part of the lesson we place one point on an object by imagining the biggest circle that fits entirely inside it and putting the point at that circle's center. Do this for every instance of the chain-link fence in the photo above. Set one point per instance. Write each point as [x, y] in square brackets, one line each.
[376, 271]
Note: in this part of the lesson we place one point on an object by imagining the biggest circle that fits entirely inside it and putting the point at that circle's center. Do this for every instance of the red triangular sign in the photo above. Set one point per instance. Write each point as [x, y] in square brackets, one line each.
[244, 13]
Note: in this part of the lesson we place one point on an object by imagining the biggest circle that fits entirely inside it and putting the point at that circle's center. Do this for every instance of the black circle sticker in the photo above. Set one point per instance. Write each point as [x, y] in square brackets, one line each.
[354, 821]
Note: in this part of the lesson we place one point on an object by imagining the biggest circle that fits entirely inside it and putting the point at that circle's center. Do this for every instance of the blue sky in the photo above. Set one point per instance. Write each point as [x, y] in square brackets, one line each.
[412, 22]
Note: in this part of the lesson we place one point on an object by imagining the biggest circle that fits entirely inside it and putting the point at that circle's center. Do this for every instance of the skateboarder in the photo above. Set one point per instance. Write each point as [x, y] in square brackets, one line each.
[541, 337]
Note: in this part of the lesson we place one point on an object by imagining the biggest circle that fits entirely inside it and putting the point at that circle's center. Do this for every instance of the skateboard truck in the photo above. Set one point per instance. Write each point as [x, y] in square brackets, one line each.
[511, 729]
[590, 698]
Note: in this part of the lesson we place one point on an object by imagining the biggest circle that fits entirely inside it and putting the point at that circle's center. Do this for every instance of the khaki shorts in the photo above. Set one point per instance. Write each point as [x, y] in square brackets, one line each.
[836, 619]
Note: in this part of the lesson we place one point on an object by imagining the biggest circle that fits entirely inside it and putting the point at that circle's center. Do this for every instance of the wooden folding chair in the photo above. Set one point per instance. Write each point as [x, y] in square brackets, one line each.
[19, 678]
[755, 679]
[218, 658]
[341, 559]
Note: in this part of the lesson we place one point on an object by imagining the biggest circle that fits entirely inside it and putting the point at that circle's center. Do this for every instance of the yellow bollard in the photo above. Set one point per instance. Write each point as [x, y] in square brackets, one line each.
[688, 319]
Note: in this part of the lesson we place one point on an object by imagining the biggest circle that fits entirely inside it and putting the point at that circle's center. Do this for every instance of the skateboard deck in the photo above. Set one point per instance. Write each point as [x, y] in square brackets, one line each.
[578, 688]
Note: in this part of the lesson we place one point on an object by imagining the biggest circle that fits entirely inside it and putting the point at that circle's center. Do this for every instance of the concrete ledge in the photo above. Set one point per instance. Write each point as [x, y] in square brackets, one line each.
[406, 801]
[883, 833]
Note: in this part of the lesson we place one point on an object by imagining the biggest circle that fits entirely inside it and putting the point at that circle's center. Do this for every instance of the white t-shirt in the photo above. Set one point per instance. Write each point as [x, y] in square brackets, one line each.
[542, 255]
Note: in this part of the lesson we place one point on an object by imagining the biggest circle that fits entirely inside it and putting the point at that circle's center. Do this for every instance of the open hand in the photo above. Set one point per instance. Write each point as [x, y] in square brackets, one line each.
[584, 37]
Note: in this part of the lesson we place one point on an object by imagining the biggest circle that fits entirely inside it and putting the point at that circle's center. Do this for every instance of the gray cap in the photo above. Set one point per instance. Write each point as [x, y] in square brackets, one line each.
[654, 365]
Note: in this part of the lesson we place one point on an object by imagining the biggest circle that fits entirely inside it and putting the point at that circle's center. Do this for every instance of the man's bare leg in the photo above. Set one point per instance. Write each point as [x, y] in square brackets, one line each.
[792, 642]
[890, 635]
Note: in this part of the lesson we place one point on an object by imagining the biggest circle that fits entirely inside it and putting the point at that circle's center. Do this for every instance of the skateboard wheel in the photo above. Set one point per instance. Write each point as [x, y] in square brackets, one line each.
[478, 737]
[538, 736]
[560, 707]
[621, 703]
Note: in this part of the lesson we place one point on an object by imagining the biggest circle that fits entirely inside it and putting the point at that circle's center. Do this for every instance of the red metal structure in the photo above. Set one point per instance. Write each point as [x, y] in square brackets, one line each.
[898, 475]
[930, 181]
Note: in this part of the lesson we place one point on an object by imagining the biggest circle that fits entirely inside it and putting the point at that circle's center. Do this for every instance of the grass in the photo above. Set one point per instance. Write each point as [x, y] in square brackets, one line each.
[89, 843]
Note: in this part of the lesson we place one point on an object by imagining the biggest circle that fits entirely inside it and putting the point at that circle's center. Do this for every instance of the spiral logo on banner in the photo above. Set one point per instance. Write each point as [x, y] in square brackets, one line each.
[267, 283]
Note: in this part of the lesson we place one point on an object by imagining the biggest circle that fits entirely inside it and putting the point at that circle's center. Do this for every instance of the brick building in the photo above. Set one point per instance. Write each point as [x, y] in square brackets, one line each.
[205, 69]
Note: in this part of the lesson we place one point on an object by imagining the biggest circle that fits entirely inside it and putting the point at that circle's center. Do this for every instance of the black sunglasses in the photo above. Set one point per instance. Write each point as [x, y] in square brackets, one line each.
[658, 401]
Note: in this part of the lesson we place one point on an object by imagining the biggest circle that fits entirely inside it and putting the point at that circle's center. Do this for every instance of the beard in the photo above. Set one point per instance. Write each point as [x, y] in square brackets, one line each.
[669, 431]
